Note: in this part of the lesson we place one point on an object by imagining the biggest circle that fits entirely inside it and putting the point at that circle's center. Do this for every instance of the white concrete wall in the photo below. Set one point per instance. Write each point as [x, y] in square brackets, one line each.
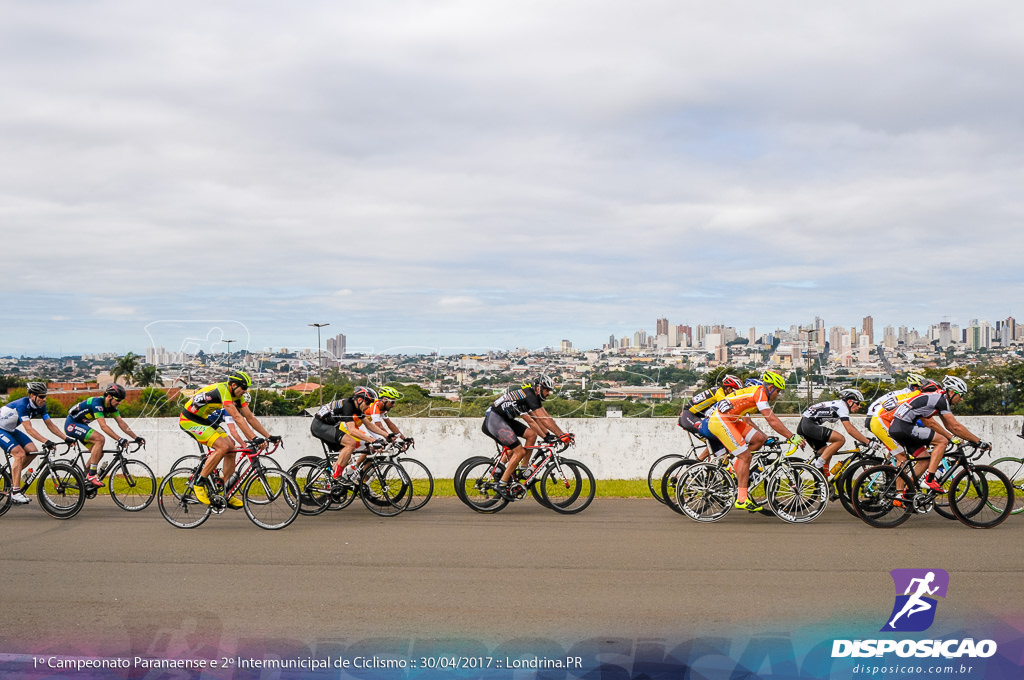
[613, 448]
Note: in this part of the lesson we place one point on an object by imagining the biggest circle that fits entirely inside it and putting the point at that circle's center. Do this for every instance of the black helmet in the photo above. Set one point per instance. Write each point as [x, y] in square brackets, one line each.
[37, 388]
[365, 392]
[115, 390]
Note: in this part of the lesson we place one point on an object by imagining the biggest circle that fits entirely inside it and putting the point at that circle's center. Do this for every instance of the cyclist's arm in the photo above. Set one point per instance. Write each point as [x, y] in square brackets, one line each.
[245, 420]
[775, 423]
[102, 423]
[855, 433]
[950, 421]
[545, 422]
[235, 434]
[31, 431]
[53, 428]
[124, 428]
[375, 428]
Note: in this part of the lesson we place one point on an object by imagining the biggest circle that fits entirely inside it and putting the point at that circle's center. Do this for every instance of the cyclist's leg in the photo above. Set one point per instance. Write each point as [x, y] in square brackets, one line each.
[22, 452]
[691, 423]
[732, 433]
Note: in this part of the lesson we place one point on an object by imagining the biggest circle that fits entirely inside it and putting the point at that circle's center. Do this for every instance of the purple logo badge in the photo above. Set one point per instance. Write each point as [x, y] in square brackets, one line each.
[916, 590]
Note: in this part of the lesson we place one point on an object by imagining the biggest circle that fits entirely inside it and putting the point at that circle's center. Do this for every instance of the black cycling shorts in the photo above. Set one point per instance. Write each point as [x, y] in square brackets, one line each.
[328, 434]
[502, 430]
[689, 421]
[816, 435]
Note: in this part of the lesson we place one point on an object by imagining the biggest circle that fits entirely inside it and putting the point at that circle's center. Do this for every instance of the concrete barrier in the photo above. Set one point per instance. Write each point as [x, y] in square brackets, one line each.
[613, 448]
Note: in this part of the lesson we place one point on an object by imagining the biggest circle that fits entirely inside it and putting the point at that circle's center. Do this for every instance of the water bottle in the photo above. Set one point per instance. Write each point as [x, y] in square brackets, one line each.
[835, 468]
[26, 478]
[103, 468]
[231, 480]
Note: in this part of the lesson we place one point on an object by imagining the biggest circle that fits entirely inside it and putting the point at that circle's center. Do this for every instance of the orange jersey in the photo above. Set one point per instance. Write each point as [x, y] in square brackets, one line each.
[888, 410]
[743, 402]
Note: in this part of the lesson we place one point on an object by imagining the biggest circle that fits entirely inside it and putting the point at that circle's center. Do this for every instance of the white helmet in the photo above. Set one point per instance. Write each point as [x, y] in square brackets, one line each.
[951, 383]
[851, 393]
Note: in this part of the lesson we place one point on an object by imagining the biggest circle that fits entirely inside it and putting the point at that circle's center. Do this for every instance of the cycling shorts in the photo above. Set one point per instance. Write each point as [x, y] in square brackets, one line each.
[877, 428]
[690, 421]
[502, 430]
[817, 435]
[77, 431]
[327, 433]
[204, 434]
[911, 437]
[733, 433]
[12, 440]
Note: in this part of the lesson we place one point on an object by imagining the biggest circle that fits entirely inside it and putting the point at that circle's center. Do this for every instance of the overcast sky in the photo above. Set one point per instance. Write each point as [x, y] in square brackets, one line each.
[499, 174]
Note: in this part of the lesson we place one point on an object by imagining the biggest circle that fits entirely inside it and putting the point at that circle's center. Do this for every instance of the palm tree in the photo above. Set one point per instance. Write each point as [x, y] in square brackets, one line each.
[148, 375]
[125, 367]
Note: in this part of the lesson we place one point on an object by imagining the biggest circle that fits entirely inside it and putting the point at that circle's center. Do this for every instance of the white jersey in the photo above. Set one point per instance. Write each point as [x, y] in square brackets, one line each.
[876, 405]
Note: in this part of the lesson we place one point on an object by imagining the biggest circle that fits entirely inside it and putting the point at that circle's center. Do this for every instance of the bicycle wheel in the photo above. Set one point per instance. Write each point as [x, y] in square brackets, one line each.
[568, 488]
[386, 489]
[798, 494]
[6, 490]
[843, 484]
[314, 481]
[422, 482]
[878, 496]
[476, 486]
[61, 490]
[669, 480]
[271, 498]
[132, 485]
[177, 500]
[189, 461]
[1013, 468]
[656, 475]
[981, 498]
[706, 492]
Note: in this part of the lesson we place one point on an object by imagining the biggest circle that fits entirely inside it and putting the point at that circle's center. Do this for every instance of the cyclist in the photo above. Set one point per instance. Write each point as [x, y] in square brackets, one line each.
[913, 382]
[824, 440]
[18, 444]
[97, 410]
[201, 417]
[696, 409]
[884, 412]
[925, 406]
[337, 425]
[377, 413]
[727, 421]
[501, 424]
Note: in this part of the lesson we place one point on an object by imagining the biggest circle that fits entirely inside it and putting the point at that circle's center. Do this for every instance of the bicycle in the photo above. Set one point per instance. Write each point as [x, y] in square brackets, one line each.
[980, 496]
[384, 486]
[659, 469]
[191, 459]
[269, 495]
[60, 486]
[131, 485]
[1013, 468]
[794, 491]
[565, 485]
[843, 473]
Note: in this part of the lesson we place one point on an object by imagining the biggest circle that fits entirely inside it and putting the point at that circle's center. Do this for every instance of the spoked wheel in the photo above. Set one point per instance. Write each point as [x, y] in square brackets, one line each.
[476, 488]
[706, 492]
[883, 498]
[271, 498]
[656, 475]
[981, 498]
[314, 482]
[568, 488]
[177, 500]
[5, 491]
[844, 483]
[386, 490]
[61, 490]
[1013, 468]
[422, 482]
[669, 480]
[798, 494]
[132, 485]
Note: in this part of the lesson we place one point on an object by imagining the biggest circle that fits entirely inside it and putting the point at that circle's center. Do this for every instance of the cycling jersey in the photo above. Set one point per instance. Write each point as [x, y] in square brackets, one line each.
[887, 411]
[702, 401]
[377, 413]
[91, 409]
[742, 402]
[516, 402]
[828, 412]
[20, 410]
[922, 406]
[207, 401]
[341, 412]
[877, 404]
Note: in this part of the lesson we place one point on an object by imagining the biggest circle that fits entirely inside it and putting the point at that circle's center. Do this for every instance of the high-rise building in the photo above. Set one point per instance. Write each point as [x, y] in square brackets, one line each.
[336, 347]
[661, 327]
[566, 346]
[868, 329]
[945, 334]
[640, 338]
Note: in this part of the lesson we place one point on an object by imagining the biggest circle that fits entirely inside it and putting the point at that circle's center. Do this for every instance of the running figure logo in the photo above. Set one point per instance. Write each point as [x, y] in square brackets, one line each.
[914, 610]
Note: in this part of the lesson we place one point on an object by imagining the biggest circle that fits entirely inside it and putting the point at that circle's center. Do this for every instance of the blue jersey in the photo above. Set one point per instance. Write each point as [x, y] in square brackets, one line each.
[91, 409]
[19, 410]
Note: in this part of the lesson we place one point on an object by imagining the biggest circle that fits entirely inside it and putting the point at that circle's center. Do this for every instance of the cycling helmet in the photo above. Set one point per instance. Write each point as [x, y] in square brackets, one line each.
[37, 388]
[751, 382]
[390, 393]
[914, 379]
[115, 390]
[929, 385]
[732, 381]
[774, 379]
[240, 378]
[951, 383]
[851, 393]
[364, 392]
[544, 381]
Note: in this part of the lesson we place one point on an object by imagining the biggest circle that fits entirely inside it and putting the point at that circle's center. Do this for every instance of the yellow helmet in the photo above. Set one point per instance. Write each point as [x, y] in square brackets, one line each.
[389, 393]
[774, 379]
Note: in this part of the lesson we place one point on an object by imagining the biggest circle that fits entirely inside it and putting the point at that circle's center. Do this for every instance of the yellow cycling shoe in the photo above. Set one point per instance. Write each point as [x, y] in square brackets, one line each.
[748, 505]
[235, 503]
[200, 492]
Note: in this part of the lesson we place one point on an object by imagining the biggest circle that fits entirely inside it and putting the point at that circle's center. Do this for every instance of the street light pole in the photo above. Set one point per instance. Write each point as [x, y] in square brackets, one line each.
[228, 343]
[319, 356]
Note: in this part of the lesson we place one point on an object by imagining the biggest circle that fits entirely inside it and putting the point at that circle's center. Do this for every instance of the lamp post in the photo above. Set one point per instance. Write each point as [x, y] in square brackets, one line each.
[319, 357]
[228, 343]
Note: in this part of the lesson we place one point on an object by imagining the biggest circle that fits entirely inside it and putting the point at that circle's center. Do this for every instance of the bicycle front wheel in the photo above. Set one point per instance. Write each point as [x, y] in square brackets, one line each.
[476, 487]
[386, 490]
[656, 475]
[798, 493]
[981, 498]
[177, 500]
[669, 480]
[61, 490]
[5, 491]
[314, 481]
[271, 498]
[132, 485]
[883, 498]
[568, 488]
[422, 482]
[1013, 468]
[705, 492]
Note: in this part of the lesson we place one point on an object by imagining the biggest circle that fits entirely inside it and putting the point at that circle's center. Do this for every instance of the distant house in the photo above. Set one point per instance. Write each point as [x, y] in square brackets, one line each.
[304, 388]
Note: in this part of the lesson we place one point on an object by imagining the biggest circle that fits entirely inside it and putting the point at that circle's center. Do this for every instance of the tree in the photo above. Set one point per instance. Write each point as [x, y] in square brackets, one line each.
[148, 375]
[125, 367]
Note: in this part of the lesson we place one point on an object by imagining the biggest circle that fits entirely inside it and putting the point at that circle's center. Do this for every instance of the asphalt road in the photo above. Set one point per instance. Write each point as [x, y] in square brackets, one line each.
[116, 582]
